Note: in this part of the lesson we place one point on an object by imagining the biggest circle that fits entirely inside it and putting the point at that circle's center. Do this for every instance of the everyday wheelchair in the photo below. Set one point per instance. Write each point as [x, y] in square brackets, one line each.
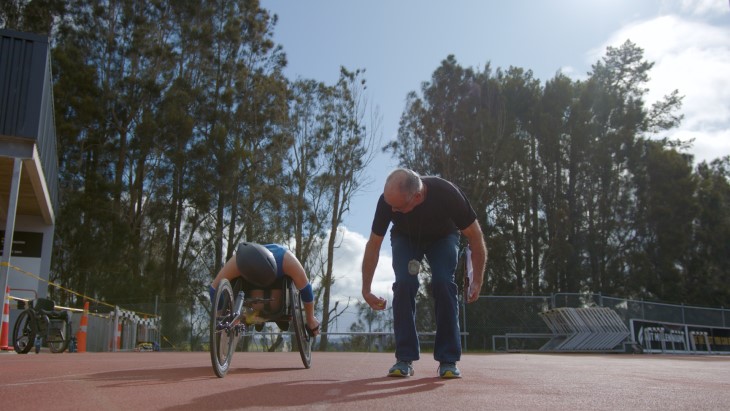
[42, 323]
[231, 318]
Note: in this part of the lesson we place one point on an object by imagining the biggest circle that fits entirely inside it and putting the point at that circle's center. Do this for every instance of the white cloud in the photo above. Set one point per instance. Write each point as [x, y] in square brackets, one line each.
[705, 7]
[347, 269]
[693, 57]
[571, 72]
[348, 276]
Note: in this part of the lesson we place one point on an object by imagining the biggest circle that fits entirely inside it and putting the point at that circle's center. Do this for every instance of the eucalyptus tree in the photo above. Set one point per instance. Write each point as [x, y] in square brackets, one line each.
[620, 123]
[37, 16]
[261, 143]
[708, 279]
[551, 169]
[174, 110]
[613, 101]
[231, 98]
[347, 153]
[519, 222]
[558, 193]
[178, 207]
[306, 212]
[242, 104]
[112, 67]
[663, 262]
[331, 147]
[78, 242]
[454, 129]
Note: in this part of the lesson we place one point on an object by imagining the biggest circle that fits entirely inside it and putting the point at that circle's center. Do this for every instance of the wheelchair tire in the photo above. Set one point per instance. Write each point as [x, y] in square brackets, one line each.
[222, 339]
[303, 340]
[59, 336]
[24, 332]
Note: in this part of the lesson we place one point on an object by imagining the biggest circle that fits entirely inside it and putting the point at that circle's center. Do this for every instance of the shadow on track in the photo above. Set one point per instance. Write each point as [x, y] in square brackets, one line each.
[311, 392]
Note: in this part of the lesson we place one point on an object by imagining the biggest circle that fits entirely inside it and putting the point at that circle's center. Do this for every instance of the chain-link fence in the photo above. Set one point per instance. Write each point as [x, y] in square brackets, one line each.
[185, 327]
[480, 321]
[496, 316]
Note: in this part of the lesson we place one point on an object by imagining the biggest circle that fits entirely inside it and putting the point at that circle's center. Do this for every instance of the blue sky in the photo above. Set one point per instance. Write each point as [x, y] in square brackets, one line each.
[401, 42]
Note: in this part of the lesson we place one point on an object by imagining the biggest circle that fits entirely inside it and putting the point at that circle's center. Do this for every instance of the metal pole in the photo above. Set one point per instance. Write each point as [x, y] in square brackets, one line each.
[10, 227]
[643, 316]
[464, 337]
[158, 324]
[683, 320]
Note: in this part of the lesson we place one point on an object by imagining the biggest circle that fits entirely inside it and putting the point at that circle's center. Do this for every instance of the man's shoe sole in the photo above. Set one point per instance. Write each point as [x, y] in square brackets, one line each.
[398, 373]
[449, 375]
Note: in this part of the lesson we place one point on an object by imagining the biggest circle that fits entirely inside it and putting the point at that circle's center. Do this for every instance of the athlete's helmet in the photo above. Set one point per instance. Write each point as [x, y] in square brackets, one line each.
[256, 264]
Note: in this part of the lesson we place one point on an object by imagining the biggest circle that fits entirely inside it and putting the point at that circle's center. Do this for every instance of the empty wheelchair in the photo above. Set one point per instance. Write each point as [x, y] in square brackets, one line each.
[42, 324]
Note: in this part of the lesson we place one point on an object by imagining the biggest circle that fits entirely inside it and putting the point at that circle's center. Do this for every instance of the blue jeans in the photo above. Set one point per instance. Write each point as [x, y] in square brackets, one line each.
[442, 256]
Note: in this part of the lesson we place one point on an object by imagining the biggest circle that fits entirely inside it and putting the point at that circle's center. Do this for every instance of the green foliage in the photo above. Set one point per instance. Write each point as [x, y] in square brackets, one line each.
[178, 138]
[574, 186]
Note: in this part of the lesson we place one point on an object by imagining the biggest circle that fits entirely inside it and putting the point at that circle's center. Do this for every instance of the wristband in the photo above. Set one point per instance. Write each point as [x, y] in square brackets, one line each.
[306, 293]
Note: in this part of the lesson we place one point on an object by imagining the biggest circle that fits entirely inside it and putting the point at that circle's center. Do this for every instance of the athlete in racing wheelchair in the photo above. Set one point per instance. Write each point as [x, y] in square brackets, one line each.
[260, 283]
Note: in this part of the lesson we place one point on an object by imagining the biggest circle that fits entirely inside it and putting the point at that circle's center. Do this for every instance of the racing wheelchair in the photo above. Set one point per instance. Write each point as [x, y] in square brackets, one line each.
[234, 315]
[42, 323]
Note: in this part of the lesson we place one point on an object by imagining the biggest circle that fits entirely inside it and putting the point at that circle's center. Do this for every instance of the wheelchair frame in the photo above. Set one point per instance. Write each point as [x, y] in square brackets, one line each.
[42, 320]
[228, 322]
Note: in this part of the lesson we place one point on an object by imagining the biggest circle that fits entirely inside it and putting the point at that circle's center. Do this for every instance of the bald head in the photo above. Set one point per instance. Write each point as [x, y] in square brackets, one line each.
[404, 181]
[403, 190]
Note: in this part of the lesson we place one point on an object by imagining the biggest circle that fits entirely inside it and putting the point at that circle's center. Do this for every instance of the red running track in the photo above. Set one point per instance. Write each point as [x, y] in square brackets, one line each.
[185, 381]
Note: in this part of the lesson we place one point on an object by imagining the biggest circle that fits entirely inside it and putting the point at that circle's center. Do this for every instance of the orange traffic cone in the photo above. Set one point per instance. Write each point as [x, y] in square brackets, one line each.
[81, 333]
[5, 329]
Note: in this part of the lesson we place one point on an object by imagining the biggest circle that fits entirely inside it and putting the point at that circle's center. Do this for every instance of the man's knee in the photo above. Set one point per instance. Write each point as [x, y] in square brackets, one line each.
[440, 287]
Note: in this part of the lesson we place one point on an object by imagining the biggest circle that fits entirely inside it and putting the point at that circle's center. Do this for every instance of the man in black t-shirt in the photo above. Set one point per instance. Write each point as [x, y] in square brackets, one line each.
[427, 214]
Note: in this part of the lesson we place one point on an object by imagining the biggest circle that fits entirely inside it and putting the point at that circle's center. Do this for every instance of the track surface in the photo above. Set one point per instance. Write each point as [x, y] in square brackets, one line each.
[185, 381]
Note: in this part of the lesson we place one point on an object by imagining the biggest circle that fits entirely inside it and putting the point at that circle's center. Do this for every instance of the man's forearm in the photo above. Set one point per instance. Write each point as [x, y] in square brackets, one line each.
[479, 260]
[478, 250]
[369, 262]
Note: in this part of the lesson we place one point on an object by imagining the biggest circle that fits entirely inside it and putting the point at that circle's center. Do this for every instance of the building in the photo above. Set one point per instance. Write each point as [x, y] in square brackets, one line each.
[28, 163]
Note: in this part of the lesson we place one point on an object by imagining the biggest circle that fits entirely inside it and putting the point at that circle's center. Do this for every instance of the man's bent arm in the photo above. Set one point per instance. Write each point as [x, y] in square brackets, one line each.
[369, 263]
[474, 235]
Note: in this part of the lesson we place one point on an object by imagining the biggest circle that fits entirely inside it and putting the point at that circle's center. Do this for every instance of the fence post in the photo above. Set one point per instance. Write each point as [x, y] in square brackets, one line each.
[723, 316]
[683, 320]
[643, 315]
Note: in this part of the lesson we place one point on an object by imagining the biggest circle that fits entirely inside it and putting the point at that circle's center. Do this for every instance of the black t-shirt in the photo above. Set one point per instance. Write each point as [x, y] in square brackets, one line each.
[444, 211]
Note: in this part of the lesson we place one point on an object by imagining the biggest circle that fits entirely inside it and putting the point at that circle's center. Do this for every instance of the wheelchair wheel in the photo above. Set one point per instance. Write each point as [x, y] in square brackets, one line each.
[303, 340]
[24, 332]
[59, 335]
[223, 337]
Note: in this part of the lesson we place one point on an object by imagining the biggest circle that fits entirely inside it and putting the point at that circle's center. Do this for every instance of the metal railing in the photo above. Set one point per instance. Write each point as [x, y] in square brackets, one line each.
[519, 318]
